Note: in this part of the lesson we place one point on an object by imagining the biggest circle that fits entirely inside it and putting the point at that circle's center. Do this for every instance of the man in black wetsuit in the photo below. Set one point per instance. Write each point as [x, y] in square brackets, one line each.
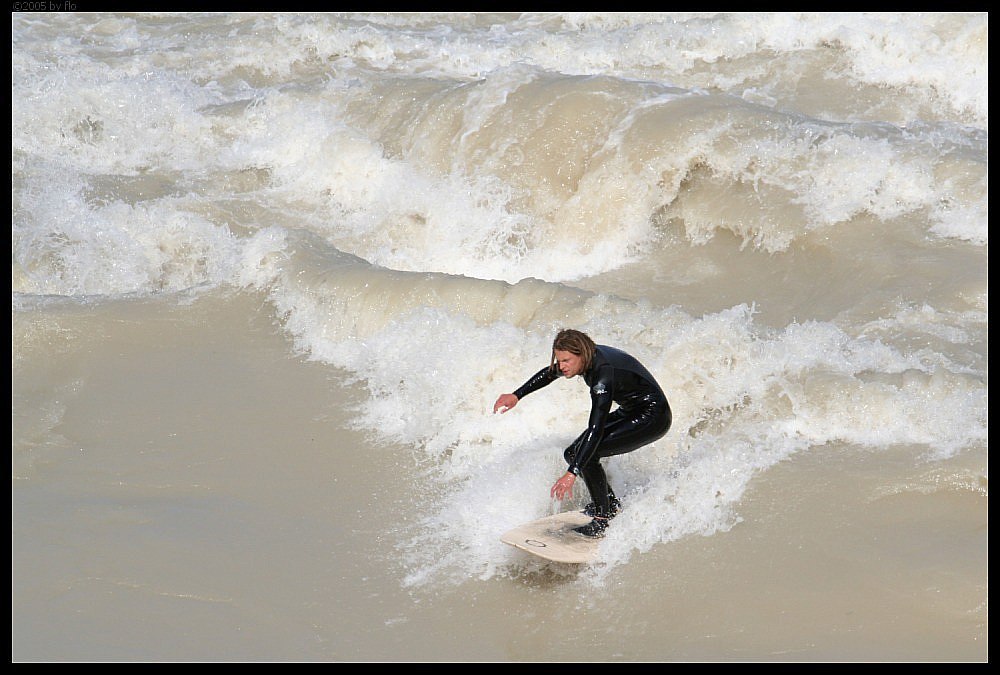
[642, 416]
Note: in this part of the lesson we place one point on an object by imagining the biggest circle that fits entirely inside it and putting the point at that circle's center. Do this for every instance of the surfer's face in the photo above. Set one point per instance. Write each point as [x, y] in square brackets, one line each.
[569, 363]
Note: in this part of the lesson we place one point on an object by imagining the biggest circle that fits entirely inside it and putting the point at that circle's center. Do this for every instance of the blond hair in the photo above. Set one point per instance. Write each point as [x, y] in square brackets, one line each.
[574, 342]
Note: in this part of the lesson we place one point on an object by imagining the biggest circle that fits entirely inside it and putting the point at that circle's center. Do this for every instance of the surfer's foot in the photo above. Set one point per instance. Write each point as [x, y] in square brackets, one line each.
[595, 528]
[591, 508]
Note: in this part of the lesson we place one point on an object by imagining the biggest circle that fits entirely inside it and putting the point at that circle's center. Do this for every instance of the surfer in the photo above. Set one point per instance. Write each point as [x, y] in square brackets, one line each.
[642, 416]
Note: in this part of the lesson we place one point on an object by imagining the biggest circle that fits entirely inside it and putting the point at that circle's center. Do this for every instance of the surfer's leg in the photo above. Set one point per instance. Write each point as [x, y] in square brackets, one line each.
[614, 505]
[634, 429]
[625, 431]
[616, 418]
[596, 481]
[600, 510]
[600, 491]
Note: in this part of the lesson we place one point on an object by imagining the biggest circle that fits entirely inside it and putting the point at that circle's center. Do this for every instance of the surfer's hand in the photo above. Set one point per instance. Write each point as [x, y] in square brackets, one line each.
[564, 486]
[505, 403]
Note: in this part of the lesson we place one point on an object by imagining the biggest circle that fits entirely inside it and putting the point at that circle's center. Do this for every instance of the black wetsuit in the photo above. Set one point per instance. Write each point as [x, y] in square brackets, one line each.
[642, 416]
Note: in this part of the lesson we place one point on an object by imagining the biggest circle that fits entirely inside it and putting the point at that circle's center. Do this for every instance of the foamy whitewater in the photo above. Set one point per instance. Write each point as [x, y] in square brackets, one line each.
[270, 272]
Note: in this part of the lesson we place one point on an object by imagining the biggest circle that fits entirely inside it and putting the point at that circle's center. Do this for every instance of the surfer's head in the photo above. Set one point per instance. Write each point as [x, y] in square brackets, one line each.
[572, 352]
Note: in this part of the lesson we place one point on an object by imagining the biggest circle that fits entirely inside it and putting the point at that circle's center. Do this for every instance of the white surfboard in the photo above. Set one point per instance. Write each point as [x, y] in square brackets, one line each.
[553, 538]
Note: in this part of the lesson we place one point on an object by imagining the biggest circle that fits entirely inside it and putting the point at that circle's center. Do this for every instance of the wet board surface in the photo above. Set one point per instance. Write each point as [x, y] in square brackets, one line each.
[553, 538]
